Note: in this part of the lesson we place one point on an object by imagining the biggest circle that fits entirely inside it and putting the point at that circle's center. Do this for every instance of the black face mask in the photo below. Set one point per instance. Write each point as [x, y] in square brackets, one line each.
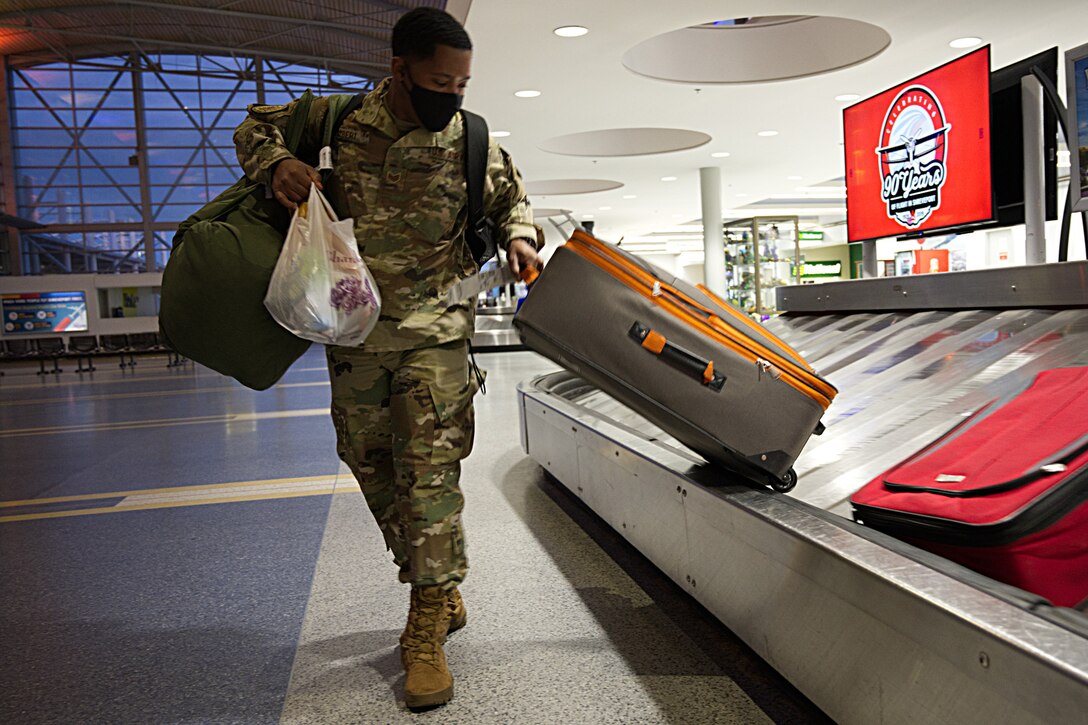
[435, 109]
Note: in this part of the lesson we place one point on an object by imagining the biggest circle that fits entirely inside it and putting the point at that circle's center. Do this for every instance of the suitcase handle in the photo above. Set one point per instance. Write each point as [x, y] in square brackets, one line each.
[702, 370]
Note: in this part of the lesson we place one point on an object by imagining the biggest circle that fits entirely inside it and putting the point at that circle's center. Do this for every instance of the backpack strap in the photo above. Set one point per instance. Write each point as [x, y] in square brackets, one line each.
[480, 233]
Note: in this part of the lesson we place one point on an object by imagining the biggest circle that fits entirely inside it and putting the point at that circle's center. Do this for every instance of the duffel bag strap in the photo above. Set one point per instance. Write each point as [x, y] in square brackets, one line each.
[296, 124]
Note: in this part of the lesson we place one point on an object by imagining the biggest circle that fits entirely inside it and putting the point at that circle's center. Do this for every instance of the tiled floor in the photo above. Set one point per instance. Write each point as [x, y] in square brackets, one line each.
[263, 593]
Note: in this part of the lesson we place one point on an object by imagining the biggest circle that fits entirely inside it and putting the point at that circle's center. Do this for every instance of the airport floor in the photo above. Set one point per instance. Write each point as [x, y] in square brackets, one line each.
[175, 548]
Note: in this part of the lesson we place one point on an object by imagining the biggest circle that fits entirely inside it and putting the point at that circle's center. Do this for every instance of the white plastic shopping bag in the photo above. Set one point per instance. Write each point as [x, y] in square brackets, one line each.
[321, 289]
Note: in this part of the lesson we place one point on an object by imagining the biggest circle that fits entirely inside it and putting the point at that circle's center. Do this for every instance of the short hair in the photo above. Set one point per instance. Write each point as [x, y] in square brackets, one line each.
[419, 31]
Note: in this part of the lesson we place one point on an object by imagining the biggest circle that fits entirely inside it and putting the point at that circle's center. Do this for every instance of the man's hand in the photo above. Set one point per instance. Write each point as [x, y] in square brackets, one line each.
[521, 255]
[291, 182]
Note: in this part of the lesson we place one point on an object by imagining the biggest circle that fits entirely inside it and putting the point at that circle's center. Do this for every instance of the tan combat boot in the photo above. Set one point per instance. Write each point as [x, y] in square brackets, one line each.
[458, 615]
[427, 679]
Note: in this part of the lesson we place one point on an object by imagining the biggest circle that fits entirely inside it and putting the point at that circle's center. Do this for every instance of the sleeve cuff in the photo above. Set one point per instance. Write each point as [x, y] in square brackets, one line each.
[520, 230]
[268, 162]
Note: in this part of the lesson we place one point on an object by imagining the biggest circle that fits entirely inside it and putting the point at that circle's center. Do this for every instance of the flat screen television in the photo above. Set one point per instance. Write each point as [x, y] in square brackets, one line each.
[1007, 140]
[918, 154]
[38, 313]
[1076, 79]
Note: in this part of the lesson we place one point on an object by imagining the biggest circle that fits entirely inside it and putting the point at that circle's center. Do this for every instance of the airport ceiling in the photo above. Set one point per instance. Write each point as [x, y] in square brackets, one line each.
[350, 36]
[648, 74]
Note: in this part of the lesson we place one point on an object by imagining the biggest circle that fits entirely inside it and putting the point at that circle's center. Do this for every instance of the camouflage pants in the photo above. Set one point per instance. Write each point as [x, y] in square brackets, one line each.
[404, 420]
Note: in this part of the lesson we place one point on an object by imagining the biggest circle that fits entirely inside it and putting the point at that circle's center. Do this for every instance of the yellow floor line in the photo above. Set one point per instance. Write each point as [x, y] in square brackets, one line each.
[112, 380]
[173, 504]
[170, 489]
[122, 378]
[160, 423]
[181, 498]
[155, 394]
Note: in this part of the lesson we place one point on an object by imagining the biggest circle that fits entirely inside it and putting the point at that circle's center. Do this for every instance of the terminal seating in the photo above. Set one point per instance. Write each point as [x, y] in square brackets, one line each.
[117, 345]
[40, 349]
[86, 348]
[50, 348]
[83, 346]
[17, 349]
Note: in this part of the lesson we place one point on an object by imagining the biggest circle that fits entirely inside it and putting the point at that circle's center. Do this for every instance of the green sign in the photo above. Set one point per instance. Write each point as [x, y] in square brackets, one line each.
[820, 269]
[812, 236]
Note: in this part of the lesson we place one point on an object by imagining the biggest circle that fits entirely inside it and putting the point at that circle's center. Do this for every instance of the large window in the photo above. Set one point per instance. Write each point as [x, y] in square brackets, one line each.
[78, 159]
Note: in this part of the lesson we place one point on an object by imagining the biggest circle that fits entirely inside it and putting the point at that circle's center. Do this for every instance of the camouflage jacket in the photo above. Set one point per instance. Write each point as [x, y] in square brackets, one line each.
[406, 193]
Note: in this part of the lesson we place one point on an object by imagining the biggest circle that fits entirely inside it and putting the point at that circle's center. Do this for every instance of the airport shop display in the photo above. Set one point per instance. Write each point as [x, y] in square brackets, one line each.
[761, 254]
[686, 360]
[1005, 492]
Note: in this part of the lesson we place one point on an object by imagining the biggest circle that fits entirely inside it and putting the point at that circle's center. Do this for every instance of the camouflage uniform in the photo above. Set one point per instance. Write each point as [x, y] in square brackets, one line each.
[402, 403]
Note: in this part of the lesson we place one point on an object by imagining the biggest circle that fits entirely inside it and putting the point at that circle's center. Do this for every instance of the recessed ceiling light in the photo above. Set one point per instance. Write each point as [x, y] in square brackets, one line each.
[527, 94]
[630, 196]
[604, 208]
[793, 178]
[968, 42]
[767, 134]
[847, 97]
[587, 216]
[500, 134]
[570, 31]
[668, 178]
[720, 154]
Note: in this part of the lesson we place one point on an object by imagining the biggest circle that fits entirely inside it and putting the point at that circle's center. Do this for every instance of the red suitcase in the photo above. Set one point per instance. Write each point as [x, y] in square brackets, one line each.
[1004, 493]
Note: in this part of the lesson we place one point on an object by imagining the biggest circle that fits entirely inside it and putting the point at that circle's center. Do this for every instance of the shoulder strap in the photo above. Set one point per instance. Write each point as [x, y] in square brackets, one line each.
[480, 234]
[341, 105]
[296, 124]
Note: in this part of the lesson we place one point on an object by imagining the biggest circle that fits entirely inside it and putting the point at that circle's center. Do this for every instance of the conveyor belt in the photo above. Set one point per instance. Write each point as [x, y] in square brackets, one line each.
[764, 562]
[495, 330]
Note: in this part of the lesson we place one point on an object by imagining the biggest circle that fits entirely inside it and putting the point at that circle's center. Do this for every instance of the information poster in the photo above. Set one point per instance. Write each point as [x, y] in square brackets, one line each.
[37, 313]
[1080, 99]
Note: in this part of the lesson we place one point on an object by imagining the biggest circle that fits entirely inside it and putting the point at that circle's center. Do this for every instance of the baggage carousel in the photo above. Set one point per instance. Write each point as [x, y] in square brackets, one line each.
[495, 330]
[869, 628]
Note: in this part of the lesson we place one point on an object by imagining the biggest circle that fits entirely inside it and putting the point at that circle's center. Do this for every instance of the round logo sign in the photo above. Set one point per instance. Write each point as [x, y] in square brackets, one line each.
[912, 154]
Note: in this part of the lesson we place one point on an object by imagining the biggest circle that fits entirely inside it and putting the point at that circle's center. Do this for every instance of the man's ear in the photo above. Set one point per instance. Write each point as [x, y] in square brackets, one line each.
[398, 68]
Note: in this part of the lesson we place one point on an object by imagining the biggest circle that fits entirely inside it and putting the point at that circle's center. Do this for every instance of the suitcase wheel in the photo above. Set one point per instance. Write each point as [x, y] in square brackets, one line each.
[786, 483]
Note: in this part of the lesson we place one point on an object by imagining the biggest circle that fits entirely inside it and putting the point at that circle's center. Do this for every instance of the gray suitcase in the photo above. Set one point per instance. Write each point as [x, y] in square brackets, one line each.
[687, 361]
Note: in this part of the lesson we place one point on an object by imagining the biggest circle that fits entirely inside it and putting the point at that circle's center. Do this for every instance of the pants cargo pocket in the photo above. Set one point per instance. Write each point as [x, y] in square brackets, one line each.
[455, 422]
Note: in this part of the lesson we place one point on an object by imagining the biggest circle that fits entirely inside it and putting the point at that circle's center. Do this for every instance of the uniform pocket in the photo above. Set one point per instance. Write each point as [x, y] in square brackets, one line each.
[452, 392]
[427, 185]
[454, 429]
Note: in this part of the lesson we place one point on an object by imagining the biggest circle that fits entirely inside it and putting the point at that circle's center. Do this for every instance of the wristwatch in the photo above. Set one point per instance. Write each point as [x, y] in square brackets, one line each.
[530, 242]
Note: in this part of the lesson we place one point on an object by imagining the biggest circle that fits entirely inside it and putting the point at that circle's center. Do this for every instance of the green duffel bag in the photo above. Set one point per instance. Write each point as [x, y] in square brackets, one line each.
[213, 287]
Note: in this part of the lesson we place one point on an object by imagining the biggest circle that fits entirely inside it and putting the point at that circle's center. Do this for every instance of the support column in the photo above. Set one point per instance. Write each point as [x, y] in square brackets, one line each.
[1031, 104]
[710, 184]
[868, 259]
[258, 72]
[146, 213]
[7, 167]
